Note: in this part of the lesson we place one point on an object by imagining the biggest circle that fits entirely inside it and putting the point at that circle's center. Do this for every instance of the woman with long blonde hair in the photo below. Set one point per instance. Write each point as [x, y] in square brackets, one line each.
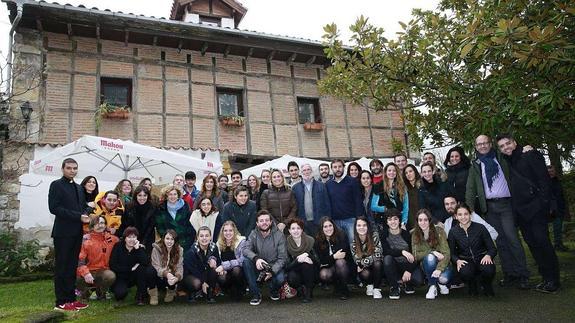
[231, 245]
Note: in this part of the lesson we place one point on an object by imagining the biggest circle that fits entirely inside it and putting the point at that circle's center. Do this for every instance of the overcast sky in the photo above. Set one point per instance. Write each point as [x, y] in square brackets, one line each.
[296, 18]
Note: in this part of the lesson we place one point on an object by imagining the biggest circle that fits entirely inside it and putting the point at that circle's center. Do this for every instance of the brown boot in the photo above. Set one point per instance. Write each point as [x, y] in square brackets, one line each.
[153, 292]
[170, 295]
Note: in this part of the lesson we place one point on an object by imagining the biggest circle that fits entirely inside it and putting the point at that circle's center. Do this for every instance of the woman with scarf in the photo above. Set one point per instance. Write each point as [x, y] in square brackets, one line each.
[141, 215]
[206, 215]
[301, 266]
[125, 189]
[457, 168]
[393, 196]
[174, 214]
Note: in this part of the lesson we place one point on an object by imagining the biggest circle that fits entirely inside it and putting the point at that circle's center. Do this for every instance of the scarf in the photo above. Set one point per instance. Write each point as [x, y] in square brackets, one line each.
[306, 245]
[174, 207]
[198, 220]
[491, 167]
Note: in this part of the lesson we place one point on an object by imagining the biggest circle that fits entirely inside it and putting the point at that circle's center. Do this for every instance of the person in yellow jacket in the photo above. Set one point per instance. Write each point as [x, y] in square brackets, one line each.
[109, 205]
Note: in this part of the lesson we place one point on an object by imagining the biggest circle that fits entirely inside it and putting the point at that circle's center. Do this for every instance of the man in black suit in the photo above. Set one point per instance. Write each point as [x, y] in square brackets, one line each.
[67, 202]
[531, 201]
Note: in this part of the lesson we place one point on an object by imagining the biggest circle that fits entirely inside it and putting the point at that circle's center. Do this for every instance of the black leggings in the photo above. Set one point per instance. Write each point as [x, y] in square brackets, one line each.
[233, 281]
[143, 277]
[394, 271]
[194, 284]
[301, 274]
[475, 270]
[372, 274]
[340, 270]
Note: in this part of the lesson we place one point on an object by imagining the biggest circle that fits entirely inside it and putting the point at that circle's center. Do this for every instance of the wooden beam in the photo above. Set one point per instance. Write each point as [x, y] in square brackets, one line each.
[70, 34]
[250, 52]
[204, 48]
[271, 56]
[227, 50]
[180, 44]
[310, 61]
[98, 32]
[126, 38]
[155, 41]
[39, 25]
[291, 59]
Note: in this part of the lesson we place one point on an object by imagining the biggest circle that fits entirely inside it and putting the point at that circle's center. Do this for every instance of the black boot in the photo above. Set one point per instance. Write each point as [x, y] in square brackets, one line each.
[343, 291]
[473, 291]
[210, 296]
[306, 295]
[487, 289]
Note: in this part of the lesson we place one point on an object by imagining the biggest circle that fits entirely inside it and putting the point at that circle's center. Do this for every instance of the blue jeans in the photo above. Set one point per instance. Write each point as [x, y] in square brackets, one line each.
[347, 226]
[429, 263]
[251, 273]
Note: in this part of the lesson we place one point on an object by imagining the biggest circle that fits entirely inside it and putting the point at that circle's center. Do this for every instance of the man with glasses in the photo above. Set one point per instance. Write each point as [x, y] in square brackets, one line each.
[489, 195]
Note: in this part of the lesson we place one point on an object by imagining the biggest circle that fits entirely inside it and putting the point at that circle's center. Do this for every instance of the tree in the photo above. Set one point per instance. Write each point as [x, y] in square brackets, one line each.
[465, 68]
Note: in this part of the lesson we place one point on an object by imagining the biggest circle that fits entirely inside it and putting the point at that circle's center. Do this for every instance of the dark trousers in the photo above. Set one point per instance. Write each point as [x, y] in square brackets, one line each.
[301, 274]
[66, 252]
[251, 273]
[394, 271]
[143, 277]
[194, 284]
[511, 253]
[372, 274]
[474, 270]
[536, 235]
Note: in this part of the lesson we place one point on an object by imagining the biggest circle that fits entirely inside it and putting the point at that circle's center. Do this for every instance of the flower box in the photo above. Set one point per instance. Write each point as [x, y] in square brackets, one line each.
[313, 126]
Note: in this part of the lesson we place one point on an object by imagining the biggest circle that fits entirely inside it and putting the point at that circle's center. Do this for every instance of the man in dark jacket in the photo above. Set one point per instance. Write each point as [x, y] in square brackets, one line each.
[241, 211]
[66, 201]
[345, 197]
[531, 199]
[265, 255]
[312, 200]
[488, 193]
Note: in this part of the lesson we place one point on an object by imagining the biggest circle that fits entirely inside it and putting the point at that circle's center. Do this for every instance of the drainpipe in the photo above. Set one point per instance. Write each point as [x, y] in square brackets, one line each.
[15, 23]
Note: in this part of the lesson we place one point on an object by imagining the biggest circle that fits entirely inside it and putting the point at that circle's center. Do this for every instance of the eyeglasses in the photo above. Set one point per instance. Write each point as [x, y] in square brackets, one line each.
[481, 144]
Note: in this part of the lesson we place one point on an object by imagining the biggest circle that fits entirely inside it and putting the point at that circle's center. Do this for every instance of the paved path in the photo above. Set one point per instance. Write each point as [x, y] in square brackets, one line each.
[510, 305]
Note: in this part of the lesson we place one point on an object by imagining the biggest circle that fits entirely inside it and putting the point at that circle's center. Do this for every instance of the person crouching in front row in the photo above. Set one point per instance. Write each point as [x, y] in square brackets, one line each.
[202, 265]
[167, 260]
[93, 263]
[129, 261]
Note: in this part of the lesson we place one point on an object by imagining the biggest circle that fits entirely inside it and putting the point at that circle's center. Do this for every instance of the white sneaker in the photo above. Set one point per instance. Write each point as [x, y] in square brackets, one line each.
[432, 292]
[377, 293]
[369, 290]
[443, 289]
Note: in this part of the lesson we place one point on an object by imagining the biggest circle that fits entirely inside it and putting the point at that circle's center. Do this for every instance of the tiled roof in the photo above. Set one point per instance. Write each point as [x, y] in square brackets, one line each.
[120, 14]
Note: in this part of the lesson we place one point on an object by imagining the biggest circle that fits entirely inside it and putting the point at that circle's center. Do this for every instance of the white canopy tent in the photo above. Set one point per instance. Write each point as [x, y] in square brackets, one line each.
[281, 164]
[113, 159]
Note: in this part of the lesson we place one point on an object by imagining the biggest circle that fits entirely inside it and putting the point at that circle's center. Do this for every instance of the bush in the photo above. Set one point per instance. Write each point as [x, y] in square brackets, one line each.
[18, 257]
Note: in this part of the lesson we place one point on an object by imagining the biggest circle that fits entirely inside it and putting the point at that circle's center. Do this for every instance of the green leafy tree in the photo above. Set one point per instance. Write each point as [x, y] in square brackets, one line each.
[466, 68]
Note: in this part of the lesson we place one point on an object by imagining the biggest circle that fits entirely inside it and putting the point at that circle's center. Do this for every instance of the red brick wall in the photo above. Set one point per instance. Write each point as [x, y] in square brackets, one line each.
[164, 121]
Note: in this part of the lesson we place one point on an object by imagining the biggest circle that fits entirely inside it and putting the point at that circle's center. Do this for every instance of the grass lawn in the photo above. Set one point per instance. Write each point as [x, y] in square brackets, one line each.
[31, 300]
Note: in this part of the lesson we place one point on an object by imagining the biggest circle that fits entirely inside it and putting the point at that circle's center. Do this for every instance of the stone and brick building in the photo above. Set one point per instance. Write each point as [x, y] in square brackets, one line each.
[179, 77]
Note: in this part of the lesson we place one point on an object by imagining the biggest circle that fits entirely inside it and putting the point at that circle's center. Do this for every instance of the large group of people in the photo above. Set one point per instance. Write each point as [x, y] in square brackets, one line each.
[393, 225]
